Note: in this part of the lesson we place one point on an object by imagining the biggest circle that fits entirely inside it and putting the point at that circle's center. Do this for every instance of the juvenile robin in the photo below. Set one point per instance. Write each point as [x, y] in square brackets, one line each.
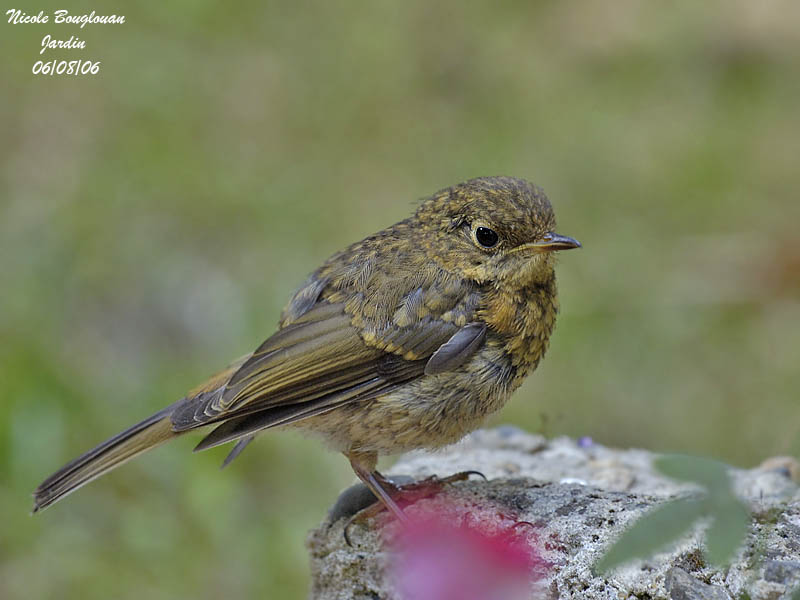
[407, 339]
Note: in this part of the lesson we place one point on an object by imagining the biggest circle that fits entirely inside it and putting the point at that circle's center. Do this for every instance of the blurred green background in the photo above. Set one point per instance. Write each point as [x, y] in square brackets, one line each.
[155, 218]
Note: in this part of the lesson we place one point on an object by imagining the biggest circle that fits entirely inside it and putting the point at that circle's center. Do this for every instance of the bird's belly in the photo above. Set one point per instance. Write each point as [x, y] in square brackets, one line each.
[429, 412]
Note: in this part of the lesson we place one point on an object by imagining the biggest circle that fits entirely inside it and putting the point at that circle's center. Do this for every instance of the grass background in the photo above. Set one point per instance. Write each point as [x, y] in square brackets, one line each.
[155, 218]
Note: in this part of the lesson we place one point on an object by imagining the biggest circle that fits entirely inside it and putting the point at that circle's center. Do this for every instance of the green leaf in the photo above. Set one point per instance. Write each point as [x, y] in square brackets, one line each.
[655, 530]
[728, 529]
[730, 517]
[709, 473]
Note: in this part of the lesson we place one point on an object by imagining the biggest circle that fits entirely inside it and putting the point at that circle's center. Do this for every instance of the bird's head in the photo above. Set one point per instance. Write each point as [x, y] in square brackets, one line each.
[498, 230]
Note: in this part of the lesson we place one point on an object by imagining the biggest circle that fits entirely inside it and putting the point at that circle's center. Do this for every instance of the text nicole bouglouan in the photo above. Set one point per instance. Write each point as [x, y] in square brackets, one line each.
[52, 42]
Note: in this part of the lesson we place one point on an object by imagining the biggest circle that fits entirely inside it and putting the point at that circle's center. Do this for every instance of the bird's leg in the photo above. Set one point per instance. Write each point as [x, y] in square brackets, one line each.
[364, 466]
[385, 491]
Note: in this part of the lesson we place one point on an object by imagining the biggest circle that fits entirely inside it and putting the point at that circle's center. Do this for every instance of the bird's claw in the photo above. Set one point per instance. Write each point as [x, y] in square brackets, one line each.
[405, 495]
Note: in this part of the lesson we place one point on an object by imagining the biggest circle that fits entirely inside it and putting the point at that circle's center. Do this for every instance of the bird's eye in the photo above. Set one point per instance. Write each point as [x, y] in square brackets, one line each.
[486, 237]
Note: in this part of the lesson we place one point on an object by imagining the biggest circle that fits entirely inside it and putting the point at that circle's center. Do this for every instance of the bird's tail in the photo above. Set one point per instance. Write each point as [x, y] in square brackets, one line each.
[135, 440]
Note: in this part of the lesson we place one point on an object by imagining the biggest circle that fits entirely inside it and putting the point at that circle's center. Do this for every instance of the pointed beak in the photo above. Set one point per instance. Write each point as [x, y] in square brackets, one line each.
[550, 243]
[555, 241]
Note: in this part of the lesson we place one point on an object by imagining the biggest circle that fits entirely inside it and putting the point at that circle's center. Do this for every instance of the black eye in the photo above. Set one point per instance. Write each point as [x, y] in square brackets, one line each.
[486, 237]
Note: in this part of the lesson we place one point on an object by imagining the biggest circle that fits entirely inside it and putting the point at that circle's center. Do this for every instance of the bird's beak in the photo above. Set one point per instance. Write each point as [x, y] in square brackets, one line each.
[555, 241]
[549, 243]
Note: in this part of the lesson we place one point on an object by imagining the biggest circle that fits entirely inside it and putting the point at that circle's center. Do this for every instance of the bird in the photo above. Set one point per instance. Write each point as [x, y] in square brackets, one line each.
[407, 339]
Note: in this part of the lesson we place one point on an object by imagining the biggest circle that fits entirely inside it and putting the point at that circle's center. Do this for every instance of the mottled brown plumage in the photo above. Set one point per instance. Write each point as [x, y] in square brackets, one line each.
[407, 339]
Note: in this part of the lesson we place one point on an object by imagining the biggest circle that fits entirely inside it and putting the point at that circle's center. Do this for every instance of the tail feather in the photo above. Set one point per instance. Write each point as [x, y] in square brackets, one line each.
[135, 440]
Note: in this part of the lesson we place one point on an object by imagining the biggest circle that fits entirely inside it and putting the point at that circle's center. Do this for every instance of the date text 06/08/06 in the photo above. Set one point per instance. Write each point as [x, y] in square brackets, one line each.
[66, 67]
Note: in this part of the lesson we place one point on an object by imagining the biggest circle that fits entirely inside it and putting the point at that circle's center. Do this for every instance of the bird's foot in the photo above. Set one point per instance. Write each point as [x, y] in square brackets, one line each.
[403, 495]
[417, 490]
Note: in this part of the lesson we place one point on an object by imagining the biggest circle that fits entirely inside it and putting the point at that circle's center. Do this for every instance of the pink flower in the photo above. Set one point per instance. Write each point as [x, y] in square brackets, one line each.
[454, 555]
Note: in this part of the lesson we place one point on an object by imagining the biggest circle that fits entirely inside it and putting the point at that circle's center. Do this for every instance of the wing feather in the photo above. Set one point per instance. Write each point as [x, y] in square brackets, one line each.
[318, 360]
[321, 360]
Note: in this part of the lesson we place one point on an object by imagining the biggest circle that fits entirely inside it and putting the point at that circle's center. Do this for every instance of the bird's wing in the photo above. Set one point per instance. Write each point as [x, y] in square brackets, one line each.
[457, 349]
[355, 329]
[318, 362]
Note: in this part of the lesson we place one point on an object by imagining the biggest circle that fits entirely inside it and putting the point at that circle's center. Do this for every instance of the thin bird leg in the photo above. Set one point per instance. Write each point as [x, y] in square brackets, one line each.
[364, 466]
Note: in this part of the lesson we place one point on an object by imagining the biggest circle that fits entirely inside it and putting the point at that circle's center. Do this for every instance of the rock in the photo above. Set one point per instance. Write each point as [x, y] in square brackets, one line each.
[782, 571]
[682, 586]
[571, 500]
